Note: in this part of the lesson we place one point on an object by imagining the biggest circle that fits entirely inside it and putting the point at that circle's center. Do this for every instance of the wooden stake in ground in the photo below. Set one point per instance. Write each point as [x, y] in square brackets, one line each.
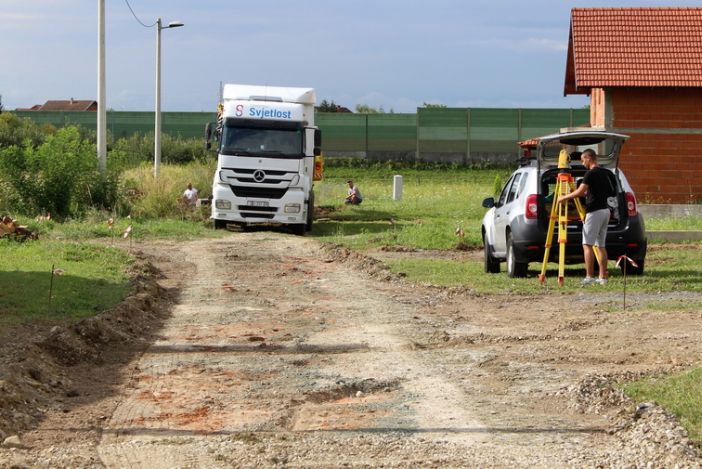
[626, 260]
[54, 271]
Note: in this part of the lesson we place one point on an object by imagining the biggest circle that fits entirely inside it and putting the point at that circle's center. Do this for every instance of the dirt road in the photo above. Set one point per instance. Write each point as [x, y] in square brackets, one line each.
[281, 353]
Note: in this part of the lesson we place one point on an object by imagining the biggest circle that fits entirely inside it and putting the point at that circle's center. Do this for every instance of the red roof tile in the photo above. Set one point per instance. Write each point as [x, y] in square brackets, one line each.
[646, 47]
[70, 105]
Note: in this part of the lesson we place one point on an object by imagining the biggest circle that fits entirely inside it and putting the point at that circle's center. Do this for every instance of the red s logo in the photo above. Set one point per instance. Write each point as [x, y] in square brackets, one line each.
[239, 110]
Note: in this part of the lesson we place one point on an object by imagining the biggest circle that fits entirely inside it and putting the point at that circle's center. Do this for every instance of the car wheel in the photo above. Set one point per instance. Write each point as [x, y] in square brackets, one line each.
[631, 270]
[514, 268]
[492, 265]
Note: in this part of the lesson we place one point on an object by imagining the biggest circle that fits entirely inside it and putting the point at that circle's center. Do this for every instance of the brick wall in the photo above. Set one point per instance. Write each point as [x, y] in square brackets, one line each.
[663, 157]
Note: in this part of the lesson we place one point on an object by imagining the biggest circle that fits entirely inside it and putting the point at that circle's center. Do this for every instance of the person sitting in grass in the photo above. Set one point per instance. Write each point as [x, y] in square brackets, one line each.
[354, 196]
[190, 196]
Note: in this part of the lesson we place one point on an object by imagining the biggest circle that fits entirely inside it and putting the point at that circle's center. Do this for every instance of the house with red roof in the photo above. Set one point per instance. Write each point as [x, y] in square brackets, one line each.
[642, 68]
[64, 105]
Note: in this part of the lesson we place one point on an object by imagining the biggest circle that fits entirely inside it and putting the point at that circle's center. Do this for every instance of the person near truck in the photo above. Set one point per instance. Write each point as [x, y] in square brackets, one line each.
[596, 188]
[353, 196]
[190, 195]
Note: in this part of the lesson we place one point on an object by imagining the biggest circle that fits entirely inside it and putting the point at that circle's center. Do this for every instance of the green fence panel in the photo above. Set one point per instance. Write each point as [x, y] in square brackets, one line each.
[186, 125]
[442, 130]
[392, 132]
[342, 131]
[54, 118]
[494, 130]
[455, 131]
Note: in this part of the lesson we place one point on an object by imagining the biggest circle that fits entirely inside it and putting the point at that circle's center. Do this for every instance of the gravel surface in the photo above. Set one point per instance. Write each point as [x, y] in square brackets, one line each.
[267, 350]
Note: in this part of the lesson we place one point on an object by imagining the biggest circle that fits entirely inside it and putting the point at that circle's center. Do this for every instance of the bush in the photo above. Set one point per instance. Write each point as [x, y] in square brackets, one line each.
[131, 151]
[60, 176]
[17, 131]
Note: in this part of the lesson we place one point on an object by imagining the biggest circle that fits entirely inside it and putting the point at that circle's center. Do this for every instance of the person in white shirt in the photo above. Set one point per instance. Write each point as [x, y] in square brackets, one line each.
[190, 196]
[354, 196]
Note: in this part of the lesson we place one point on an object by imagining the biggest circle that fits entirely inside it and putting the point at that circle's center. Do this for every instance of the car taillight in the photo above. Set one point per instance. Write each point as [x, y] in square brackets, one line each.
[531, 206]
[631, 204]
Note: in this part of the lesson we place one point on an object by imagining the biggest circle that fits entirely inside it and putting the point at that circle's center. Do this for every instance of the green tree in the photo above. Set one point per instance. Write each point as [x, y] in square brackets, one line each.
[17, 131]
[366, 109]
[59, 176]
[434, 106]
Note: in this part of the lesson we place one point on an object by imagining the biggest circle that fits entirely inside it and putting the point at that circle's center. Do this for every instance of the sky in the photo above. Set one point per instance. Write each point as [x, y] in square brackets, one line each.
[398, 54]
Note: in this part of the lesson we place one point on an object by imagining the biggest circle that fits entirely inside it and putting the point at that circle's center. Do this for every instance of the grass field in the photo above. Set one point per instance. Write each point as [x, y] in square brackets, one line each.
[680, 394]
[436, 203]
[89, 279]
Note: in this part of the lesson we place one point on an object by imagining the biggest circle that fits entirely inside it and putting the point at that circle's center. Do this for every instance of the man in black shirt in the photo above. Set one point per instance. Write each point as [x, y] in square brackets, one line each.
[596, 188]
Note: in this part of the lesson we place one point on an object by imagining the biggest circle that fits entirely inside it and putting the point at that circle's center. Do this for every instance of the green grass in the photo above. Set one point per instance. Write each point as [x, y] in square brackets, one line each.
[680, 394]
[94, 278]
[142, 229]
[437, 202]
[670, 224]
[667, 269]
[434, 204]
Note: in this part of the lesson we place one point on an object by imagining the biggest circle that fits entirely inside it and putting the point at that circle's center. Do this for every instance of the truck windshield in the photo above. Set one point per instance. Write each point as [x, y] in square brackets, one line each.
[254, 139]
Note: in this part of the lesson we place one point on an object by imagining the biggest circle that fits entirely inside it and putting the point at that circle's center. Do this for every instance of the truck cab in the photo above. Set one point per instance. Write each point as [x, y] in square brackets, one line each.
[267, 143]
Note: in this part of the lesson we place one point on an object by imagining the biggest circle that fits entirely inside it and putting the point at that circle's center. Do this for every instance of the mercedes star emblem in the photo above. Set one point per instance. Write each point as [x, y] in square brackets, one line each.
[259, 175]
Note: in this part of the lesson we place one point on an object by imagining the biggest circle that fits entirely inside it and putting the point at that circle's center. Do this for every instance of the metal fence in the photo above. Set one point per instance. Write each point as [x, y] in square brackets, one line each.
[457, 135]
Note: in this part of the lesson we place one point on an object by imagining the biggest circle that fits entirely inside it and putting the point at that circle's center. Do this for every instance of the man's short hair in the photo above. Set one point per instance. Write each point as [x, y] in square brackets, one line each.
[591, 152]
[349, 181]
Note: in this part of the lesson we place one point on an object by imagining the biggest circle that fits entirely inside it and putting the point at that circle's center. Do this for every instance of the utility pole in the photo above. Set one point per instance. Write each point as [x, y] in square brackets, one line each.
[101, 111]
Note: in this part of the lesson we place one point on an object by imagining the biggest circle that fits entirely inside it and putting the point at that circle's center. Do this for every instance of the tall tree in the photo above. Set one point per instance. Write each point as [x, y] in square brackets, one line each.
[366, 109]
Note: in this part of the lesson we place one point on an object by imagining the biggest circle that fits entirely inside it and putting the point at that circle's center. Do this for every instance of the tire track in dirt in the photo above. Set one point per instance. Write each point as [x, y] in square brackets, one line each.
[269, 339]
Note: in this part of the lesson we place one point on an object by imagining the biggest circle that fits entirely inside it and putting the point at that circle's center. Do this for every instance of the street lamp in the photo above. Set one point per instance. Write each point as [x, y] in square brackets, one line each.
[157, 130]
[101, 112]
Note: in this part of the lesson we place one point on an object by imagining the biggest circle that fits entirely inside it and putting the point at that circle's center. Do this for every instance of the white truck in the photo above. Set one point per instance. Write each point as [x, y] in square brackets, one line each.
[267, 144]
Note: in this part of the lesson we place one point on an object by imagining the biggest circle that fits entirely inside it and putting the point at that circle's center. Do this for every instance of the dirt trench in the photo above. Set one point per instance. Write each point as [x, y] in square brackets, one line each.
[278, 352]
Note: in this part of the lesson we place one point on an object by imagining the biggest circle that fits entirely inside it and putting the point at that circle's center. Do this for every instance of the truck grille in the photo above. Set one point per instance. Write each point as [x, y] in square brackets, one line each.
[257, 215]
[259, 192]
[257, 209]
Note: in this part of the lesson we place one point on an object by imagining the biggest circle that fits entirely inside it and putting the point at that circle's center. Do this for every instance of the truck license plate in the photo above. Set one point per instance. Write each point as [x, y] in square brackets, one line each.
[257, 203]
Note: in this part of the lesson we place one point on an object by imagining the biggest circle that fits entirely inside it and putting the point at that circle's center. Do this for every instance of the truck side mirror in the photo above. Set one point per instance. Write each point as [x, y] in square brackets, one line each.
[317, 138]
[317, 142]
[208, 135]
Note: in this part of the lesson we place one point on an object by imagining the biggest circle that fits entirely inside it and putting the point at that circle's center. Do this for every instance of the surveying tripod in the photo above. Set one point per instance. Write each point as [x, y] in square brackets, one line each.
[559, 213]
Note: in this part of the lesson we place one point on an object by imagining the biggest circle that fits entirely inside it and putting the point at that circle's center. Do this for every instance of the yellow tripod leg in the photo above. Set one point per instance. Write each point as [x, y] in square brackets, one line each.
[549, 232]
[562, 237]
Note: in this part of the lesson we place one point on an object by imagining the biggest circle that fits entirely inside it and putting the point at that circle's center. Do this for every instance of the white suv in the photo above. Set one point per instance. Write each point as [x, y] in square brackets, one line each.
[514, 228]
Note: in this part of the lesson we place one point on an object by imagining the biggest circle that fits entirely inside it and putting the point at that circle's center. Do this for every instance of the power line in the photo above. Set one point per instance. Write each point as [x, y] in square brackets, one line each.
[137, 18]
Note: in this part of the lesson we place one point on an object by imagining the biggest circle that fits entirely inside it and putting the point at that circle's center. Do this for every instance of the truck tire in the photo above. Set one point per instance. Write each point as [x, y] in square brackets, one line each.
[220, 224]
[299, 229]
[310, 213]
[514, 269]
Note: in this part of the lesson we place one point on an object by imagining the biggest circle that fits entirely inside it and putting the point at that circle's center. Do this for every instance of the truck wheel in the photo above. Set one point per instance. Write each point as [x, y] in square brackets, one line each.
[492, 265]
[299, 229]
[631, 270]
[514, 269]
[220, 224]
[310, 213]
